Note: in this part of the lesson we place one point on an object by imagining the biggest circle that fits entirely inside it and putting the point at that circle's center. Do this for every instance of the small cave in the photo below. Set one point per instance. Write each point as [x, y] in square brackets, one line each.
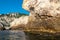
[31, 9]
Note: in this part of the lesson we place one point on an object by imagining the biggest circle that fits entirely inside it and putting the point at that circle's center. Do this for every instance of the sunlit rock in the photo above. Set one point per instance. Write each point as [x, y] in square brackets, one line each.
[42, 7]
[46, 11]
[44, 16]
[1, 27]
[19, 22]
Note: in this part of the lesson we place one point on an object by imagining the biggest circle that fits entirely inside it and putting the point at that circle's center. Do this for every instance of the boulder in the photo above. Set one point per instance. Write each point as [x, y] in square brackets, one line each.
[1, 27]
[19, 22]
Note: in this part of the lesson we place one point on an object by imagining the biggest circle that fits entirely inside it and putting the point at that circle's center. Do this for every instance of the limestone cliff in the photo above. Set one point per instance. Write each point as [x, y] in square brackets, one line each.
[42, 7]
[44, 16]
[46, 11]
[8, 18]
[19, 22]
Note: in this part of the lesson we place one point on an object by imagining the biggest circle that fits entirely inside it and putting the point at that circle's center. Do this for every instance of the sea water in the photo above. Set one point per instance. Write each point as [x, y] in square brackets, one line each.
[12, 35]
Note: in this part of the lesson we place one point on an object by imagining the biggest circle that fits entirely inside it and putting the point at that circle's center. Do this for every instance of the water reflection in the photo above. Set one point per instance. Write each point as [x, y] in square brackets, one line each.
[12, 35]
[44, 36]
[20, 35]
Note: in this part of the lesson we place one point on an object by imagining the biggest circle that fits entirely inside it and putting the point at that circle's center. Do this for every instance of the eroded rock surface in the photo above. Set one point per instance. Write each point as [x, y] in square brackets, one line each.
[42, 7]
[19, 22]
[46, 11]
[44, 16]
[6, 19]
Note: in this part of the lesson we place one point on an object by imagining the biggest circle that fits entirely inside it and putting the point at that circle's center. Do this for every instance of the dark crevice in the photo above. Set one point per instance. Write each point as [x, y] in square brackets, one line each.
[31, 9]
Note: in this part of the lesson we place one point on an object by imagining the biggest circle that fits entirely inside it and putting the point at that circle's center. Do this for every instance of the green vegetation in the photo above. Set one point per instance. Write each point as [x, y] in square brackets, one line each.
[15, 14]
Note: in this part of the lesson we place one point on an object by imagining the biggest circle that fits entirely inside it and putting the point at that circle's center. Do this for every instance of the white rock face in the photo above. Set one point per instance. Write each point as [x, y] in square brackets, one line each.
[52, 7]
[37, 8]
[19, 21]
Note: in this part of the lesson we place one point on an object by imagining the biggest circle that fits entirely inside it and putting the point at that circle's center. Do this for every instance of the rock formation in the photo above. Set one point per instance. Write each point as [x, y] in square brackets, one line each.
[44, 16]
[42, 7]
[19, 22]
[6, 19]
[46, 12]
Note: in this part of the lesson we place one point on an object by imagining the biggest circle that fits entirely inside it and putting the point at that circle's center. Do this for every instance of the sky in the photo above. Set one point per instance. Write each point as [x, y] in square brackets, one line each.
[7, 6]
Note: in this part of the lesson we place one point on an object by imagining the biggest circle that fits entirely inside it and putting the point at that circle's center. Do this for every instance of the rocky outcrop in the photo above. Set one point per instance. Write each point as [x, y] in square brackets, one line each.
[6, 19]
[42, 7]
[44, 16]
[46, 11]
[1, 27]
[19, 22]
